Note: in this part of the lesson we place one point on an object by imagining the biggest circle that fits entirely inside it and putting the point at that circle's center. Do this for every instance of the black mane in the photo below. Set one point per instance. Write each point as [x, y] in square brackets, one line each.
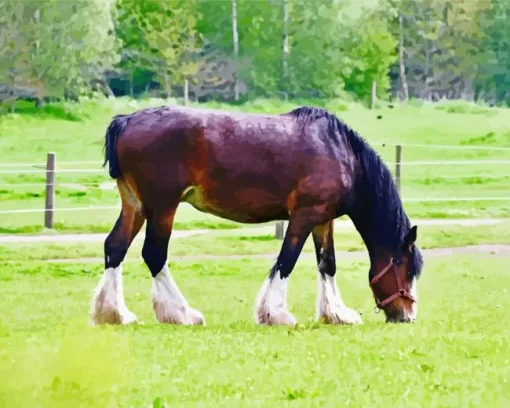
[385, 205]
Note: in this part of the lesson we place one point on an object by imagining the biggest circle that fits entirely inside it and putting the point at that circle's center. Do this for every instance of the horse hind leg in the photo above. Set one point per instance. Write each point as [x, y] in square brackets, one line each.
[108, 305]
[169, 304]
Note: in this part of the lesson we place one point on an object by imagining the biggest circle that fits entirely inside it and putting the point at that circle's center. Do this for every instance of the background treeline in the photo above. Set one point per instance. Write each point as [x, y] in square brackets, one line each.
[241, 49]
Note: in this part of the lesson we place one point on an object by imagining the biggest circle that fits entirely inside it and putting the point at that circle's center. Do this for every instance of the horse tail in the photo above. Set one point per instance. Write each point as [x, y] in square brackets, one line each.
[113, 133]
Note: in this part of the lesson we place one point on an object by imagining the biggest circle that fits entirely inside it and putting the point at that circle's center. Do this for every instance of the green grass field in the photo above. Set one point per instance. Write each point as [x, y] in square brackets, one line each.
[75, 132]
[457, 354]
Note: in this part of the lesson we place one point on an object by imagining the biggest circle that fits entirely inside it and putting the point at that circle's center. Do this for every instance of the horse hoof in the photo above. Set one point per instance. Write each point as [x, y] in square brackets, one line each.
[181, 316]
[280, 317]
[196, 318]
[128, 318]
[342, 315]
[110, 315]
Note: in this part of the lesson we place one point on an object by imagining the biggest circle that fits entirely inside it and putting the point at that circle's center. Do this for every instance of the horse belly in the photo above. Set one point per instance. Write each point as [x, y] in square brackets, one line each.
[246, 205]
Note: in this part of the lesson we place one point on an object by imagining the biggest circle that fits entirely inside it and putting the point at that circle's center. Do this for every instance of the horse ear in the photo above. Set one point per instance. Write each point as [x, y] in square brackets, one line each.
[411, 236]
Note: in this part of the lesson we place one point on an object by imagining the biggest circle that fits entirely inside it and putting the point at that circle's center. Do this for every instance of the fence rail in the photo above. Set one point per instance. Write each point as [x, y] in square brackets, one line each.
[50, 170]
[395, 163]
[21, 171]
[408, 200]
[39, 210]
[66, 163]
[450, 147]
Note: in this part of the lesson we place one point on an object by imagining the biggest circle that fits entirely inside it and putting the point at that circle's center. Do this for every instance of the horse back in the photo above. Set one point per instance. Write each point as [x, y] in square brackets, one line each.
[245, 167]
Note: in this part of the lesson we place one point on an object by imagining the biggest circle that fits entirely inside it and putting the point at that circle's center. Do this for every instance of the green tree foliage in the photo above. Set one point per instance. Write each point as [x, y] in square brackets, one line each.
[371, 49]
[11, 68]
[318, 62]
[160, 37]
[446, 46]
[56, 48]
[451, 48]
[135, 49]
[494, 78]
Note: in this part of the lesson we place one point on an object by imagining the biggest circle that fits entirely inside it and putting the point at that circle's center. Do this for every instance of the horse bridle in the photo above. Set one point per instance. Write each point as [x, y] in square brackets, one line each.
[401, 292]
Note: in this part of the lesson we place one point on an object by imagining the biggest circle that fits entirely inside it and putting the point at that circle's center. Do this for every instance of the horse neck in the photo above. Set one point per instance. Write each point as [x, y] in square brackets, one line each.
[380, 221]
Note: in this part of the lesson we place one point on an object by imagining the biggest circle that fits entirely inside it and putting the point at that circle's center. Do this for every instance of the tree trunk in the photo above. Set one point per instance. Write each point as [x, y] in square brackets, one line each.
[186, 92]
[236, 48]
[106, 89]
[285, 42]
[403, 78]
[168, 87]
[468, 93]
[39, 102]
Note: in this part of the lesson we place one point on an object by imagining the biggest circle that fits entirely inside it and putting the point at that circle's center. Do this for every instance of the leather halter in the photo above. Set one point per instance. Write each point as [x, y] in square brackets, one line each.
[401, 292]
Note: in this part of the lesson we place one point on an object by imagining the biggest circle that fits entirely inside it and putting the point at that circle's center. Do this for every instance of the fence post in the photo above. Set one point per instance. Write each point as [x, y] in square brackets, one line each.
[398, 161]
[50, 190]
[185, 92]
[280, 230]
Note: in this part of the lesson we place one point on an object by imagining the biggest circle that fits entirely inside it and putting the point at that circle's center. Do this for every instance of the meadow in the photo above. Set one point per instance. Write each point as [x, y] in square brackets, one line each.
[456, 354]
[75, 133]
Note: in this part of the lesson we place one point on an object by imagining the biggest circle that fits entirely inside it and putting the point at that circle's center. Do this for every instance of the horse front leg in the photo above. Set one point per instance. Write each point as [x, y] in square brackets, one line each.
[271, 305]
[330, 306]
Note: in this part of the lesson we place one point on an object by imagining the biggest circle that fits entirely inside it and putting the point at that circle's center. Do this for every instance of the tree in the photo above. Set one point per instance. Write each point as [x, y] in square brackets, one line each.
[58, 48]
[172, 41]
[494, 74]
[235, 40]
[12, 65]
[444, 46]
[401, 46]
[371, 50]
[286, 49]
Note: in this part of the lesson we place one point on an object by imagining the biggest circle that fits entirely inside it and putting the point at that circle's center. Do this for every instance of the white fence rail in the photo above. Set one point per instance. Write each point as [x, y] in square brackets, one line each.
[51, 169]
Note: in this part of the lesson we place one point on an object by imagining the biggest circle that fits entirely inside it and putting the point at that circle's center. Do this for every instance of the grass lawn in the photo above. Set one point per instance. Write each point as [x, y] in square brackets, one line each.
[75, 132]
[246, 242]
[457, 354]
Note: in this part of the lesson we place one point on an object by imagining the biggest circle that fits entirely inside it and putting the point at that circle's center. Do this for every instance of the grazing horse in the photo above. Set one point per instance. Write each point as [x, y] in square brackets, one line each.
[305, 166]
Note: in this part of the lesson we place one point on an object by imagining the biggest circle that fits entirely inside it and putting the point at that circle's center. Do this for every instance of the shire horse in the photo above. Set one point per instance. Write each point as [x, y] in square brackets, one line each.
[305, 166]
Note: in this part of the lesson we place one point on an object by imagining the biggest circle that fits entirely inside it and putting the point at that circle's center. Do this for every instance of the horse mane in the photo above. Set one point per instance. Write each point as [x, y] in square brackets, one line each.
[385, 204]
